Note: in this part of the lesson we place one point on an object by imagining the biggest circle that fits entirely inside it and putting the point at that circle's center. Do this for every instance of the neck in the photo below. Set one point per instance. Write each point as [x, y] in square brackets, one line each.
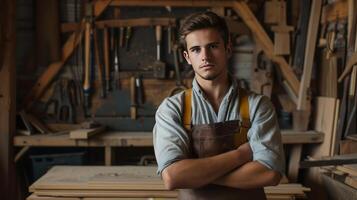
[215, 89]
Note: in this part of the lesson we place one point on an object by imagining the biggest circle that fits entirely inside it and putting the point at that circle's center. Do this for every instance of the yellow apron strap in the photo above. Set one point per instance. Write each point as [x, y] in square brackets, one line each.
[245, 118]
[187, 109]
[244, 105]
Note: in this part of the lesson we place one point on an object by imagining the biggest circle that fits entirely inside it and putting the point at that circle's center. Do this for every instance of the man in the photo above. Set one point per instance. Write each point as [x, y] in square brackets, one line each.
[201, 138]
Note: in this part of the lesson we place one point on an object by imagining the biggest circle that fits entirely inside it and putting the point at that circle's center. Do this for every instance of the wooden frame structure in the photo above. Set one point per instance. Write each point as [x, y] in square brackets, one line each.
[7, 100]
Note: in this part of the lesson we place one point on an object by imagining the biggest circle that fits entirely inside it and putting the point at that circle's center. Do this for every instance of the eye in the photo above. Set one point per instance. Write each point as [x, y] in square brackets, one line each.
[195, 50]
[213, 46]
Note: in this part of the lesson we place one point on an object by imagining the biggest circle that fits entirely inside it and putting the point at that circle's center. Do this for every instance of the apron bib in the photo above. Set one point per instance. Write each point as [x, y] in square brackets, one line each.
[213, 139]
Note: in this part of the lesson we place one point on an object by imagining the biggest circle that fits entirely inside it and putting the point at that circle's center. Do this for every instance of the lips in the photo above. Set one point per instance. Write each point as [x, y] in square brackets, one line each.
[207, 65]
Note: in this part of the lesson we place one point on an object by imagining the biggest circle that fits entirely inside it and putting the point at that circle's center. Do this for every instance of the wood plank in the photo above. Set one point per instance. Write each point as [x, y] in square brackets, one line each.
[302, 137]
[85, 133]
[325, 112]
[52, 70]
[120, 179]
[143, 139]
[317, 163]
[309, 54]
[349, 169]
[8, 99]
[107, 193]
[351, 181]
[100, 177]
[248, 17]
[110, 138]
[35, 197]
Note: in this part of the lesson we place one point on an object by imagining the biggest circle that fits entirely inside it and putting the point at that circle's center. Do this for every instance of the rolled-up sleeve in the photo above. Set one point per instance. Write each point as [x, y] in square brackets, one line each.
[265, 137]
[171, 142]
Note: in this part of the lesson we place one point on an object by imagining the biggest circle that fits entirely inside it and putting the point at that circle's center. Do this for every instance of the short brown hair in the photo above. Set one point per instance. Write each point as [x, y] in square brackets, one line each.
[203, 20]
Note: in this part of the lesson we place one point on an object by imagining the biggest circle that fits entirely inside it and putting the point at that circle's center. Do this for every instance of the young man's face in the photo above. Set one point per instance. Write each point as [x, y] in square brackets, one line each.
[206, 53]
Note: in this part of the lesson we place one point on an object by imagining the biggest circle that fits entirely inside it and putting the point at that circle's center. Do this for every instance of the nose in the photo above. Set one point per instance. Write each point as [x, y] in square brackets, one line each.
[206, 54]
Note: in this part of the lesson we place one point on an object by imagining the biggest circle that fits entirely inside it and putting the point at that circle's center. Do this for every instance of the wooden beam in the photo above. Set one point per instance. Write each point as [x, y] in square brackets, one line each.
[309, 54]
[52, 70]
[69, 27]
[248, 17]
[174, 3]
[8, 100]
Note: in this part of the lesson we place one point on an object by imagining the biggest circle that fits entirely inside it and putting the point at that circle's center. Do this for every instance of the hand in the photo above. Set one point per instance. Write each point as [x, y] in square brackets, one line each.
[245, 152]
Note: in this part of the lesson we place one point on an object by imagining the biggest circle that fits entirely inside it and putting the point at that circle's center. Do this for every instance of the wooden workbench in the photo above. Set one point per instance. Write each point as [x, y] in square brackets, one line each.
[112, 139]
[137, 139]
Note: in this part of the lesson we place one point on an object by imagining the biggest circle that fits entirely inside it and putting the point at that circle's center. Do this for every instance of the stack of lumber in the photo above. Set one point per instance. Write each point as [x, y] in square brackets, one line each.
[120, 182]
[346, 174]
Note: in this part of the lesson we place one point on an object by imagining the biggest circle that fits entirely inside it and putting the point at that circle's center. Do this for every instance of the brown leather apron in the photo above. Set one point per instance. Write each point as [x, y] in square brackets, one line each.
[213, 139]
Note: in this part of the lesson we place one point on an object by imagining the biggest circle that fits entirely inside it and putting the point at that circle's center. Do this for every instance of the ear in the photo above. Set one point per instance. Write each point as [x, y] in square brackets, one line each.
[185, 54]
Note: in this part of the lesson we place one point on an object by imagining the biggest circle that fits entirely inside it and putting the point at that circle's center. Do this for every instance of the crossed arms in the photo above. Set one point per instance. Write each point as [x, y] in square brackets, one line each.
[233, 169]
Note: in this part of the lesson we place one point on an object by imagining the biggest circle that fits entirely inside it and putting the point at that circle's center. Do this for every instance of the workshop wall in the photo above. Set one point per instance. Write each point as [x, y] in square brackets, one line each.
[136, 55]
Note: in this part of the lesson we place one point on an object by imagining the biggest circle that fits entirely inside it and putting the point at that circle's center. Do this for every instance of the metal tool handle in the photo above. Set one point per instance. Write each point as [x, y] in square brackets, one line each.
[86, 83]
[132, 98]
[158, 35]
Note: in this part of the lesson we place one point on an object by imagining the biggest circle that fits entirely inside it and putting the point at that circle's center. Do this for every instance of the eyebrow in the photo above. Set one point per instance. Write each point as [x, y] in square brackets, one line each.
[194, 47]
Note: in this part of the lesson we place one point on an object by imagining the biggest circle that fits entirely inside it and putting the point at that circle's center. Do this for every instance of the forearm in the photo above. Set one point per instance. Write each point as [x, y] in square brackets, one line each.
[193, 173]
[250, 175]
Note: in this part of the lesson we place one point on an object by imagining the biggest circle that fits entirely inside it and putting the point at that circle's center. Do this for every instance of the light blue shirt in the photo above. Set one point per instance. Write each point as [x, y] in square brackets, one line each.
[172, 143]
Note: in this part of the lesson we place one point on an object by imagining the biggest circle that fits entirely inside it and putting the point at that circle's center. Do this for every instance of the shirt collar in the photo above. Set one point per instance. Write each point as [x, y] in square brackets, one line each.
[232, 89]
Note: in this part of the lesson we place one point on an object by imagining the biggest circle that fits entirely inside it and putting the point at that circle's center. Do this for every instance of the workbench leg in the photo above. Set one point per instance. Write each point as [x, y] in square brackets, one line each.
[294, 161]
[109, 155]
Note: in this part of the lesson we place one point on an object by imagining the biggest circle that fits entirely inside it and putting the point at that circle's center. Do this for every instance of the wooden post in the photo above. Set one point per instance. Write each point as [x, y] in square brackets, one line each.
[7, 101]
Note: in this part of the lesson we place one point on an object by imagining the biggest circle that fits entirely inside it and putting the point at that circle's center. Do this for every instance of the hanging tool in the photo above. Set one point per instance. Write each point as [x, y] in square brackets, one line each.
[99, 64]
[133, 106]
[121, 37]
[127, 37]
[116, 64]
[106, 59]
[62, 101]
[74, 92]
[159, 68]
[179, 85]
[117, 38]
[140, 97]
[169, 39]
[87, 61]
[65, 108]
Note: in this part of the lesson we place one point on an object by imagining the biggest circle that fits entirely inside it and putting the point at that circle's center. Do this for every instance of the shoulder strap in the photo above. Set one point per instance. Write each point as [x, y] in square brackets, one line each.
[187, 116]
[244, 109]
